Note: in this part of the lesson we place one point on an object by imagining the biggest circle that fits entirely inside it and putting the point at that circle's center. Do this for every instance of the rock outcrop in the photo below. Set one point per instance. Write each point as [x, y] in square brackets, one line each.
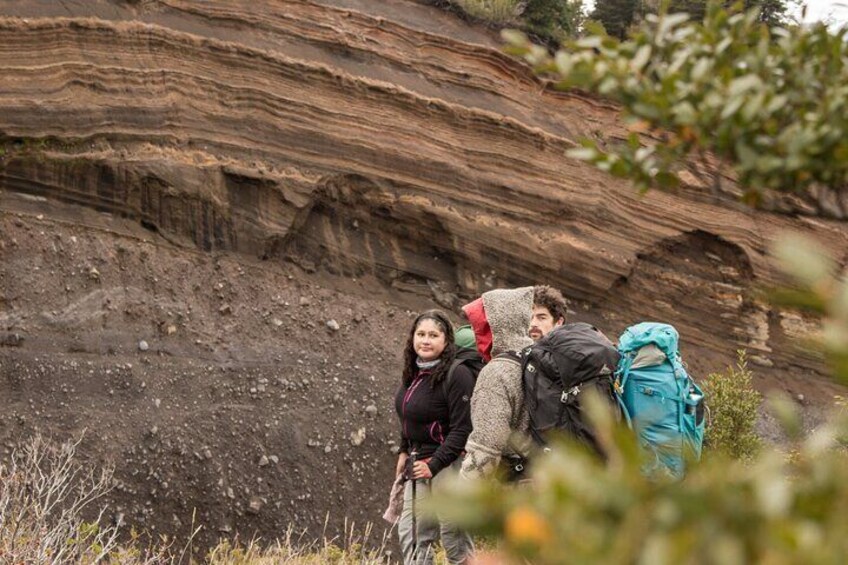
[375, 138]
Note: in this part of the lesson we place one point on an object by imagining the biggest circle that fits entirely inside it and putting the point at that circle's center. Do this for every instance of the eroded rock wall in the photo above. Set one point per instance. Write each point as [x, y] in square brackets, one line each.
[381, 139]
[386, 138]
[351, 137]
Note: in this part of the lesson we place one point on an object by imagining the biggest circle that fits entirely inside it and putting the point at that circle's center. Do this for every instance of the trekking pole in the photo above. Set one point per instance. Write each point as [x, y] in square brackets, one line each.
[413, 456]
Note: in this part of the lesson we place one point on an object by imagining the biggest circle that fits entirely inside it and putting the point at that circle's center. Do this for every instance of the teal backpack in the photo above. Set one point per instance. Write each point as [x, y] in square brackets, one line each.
[659, 400]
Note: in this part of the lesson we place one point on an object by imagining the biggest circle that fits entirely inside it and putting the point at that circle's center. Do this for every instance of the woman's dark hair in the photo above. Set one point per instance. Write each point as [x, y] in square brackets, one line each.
[440, 371]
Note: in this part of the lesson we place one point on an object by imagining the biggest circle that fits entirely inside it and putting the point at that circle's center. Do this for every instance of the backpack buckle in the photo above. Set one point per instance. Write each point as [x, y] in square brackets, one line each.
[573, 391]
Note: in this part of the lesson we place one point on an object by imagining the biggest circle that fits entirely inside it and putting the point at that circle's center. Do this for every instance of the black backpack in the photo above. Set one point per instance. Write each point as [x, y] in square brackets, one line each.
[557, 370]
[468, 357]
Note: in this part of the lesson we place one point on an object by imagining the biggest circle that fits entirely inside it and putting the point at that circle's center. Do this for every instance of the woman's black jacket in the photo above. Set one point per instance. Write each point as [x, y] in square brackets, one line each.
[436, 420]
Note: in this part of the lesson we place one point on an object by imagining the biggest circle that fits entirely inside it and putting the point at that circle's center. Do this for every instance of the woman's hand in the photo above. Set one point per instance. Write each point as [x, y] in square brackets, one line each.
[421, 471]
[401, 463]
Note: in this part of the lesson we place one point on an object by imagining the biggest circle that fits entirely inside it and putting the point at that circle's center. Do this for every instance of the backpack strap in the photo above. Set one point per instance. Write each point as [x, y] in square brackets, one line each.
[621, 376]
[682, 386]
[454, 364]
[457, 361]
[514, 356]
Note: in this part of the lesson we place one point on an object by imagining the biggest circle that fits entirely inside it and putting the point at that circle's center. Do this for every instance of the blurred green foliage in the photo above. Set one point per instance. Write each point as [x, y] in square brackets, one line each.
[619, 16]
[578, 509]
[820, 287]
[771, 103]
[770, 12]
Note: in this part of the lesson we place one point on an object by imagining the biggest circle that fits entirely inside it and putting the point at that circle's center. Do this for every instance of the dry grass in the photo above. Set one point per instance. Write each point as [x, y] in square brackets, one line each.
[350, 549]
[44, 493]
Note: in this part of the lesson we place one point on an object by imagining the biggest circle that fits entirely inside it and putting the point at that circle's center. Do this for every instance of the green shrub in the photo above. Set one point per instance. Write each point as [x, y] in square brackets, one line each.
[616, 16]
[733, 405]
[492, 11]
[554, 20]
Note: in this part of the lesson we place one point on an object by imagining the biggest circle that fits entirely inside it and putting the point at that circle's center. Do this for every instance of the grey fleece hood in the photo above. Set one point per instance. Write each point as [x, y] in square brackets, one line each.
[508, 312]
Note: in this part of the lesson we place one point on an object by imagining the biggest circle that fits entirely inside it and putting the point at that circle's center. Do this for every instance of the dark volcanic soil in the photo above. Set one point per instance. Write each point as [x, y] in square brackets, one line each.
[241, 402]
[214, 383]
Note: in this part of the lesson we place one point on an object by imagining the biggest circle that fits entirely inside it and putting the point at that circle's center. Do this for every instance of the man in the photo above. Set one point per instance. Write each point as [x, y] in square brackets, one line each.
[500, 421]
[549, 309]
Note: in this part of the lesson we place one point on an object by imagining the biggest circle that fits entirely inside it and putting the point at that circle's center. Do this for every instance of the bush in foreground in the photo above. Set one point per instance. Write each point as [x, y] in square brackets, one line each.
[773, 509]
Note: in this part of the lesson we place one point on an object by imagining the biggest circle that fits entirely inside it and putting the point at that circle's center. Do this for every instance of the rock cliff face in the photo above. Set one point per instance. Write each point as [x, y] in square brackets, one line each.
[362, 137]
[377, 139]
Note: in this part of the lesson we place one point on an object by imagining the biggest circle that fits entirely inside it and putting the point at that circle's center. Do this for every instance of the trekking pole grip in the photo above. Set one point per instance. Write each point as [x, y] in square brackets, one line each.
[410, 464]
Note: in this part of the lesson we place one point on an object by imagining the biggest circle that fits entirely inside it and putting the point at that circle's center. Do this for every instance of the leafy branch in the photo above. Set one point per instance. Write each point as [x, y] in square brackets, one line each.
[771, 103]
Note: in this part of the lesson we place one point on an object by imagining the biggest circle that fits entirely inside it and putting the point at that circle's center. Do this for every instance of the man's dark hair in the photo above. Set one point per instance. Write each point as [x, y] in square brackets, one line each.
[552, 299]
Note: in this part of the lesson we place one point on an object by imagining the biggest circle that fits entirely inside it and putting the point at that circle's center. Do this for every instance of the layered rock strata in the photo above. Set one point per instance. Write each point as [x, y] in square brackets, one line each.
[367, 137]
[376, 138]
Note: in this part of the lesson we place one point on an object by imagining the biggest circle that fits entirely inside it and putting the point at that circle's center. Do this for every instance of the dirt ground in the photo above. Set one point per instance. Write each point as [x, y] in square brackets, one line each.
[245, 395]
[212, 383]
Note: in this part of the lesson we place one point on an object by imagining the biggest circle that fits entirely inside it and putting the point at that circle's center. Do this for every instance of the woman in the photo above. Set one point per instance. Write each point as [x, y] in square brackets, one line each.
[435, 419]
